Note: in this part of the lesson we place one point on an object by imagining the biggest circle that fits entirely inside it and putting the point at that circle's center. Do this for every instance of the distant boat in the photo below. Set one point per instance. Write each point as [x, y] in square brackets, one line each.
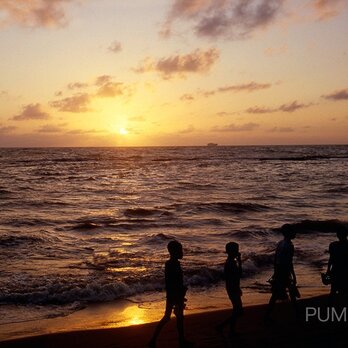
[212, 144]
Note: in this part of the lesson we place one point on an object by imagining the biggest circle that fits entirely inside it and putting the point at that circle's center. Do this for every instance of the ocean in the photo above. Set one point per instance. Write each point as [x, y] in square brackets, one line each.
[86, 225]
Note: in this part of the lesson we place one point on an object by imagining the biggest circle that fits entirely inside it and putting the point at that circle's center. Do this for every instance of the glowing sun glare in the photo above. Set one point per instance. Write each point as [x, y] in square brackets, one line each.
[123, 131]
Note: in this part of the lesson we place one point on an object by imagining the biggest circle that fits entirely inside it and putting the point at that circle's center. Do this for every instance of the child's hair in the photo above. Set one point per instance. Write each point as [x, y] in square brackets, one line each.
[342, 232]
[173, 246]
[288, 231]
[232, 247]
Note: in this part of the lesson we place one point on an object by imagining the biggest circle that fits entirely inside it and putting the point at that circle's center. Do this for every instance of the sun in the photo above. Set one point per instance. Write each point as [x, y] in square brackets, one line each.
[123, 131]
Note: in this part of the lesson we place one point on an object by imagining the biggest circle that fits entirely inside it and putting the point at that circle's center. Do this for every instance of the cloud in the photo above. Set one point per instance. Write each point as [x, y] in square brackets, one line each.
[240, 19]
[77, 85]
[115, 47]
[107, 88]
[31, 112]
[104, 87]
[77, 104]
[187, 130]
[235, 19]
[244, 87]
[326, 9]
[34, 13]
[85, 131]
[260, 110]
[50, 129]
[225, 113]
[198, 61]
[248, 87]
[113, 89]
[337, 95]
[235, 128]
[290, 107]
[102, 80]
[281, 130]
[187, 97]
[3, 94]
[294, 106]
[7, 129]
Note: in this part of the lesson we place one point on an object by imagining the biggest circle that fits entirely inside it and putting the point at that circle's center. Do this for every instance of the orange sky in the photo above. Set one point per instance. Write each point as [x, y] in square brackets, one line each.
[173, 72]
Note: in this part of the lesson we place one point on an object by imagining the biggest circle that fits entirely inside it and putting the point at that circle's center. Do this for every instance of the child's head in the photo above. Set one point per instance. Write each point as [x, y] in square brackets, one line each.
[175, 249]
[232, 249]
[288, 231]
[342, 233]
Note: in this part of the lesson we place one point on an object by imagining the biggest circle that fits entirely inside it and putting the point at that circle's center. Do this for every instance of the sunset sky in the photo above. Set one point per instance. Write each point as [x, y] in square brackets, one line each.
[173, 72]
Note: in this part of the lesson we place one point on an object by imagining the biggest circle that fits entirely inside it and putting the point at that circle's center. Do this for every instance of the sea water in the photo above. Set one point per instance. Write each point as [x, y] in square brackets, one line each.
[86, 225]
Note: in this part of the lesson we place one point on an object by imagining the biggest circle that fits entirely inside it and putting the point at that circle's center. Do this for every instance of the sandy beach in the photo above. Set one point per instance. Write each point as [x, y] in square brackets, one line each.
[285, 331]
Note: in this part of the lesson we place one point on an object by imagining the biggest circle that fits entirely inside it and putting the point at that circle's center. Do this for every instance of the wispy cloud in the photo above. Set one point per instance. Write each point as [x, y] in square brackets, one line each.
[48, 128]
[198, 61]
[31, 112]
[7, 129]
[326, 9]
[77, 104]
[225, 113]
[290, 107]
[247, 87]
[85, 131]
[260, 110]
[240, 19]
[107, 88]
[337, 95]
[102, 87]
[34, 13]
[236, 19]
[244, 87]
[281, 130]
[294, 106]
[115, 47]
[77, 85]
[236, 127]
[187, 97]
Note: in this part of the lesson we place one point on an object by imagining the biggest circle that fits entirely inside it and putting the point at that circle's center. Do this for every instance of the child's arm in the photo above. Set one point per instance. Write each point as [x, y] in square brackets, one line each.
[329, 264]
[293, 273]
[239, 263]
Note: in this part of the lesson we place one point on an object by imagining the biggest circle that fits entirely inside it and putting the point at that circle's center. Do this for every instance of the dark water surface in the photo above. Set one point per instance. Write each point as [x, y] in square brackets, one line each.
[92, 224]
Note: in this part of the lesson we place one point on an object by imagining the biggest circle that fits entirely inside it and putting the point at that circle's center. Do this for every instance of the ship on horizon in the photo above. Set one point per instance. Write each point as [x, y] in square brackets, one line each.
[212, 144]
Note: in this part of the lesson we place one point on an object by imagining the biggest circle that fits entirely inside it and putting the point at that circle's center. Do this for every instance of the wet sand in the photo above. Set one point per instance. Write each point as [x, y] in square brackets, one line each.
[252, 331]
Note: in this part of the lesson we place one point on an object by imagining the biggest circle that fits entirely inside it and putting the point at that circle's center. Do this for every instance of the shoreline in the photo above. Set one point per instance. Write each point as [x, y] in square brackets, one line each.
[142, 309]
[286, 331]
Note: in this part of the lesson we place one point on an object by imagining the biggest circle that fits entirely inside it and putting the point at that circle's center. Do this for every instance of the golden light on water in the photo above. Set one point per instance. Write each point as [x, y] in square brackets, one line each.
[134, 315]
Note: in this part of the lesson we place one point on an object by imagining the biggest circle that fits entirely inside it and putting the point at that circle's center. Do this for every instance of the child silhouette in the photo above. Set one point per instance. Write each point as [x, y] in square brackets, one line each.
[175, 291]
[233, 273]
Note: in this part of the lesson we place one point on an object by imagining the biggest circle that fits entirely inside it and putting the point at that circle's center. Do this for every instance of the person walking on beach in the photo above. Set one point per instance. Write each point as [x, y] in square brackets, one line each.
[175, 291]
[337, 267]
[284, 277]
[232, 274]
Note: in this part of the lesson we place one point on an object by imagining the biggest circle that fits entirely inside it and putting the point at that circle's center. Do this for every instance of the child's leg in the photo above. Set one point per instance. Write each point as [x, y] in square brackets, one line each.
[293, 301]
[270, 307]
[237, 310]
[179, 313]
[162, 322]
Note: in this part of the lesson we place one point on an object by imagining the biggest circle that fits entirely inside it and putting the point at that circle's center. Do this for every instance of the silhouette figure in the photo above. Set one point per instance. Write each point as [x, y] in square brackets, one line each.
[175, 291]
[284, 277]
[232, 273]
[337, 267]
